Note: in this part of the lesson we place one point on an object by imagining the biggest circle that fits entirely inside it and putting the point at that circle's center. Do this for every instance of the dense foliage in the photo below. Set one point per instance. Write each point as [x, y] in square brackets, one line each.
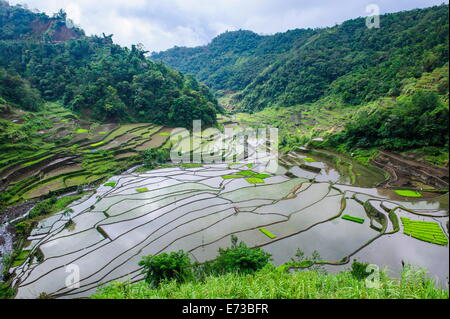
[416, 121]
[16, 91]
[419, 120]
[350, 61]
[166, 267]
[95, 77]
[238, 258]
[155, 156]
[177, 266]
[233, 59]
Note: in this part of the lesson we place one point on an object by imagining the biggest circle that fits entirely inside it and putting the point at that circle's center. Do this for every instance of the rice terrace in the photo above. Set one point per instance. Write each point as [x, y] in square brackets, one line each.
[306, 164]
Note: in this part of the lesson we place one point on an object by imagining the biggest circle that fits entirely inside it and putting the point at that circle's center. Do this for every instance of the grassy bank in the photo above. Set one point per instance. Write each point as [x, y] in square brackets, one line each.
[271, 283]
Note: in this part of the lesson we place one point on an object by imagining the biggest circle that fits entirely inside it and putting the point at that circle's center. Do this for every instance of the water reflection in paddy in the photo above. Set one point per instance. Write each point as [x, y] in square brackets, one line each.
[197, 210]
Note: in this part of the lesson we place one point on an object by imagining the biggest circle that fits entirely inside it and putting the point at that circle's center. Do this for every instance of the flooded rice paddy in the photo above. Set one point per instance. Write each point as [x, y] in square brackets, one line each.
[198, 209]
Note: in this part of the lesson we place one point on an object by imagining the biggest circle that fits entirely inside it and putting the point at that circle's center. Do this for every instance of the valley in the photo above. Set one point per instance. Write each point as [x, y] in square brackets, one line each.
[101, 162]
[197, 207]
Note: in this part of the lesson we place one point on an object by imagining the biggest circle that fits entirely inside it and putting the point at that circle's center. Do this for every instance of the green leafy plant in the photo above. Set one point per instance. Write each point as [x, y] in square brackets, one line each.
[154, 157]
[359, 270]
[165, 267]
[240, 258]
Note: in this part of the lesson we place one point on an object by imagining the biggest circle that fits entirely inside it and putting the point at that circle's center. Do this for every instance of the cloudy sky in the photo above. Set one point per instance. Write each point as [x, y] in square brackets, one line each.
[162, 24]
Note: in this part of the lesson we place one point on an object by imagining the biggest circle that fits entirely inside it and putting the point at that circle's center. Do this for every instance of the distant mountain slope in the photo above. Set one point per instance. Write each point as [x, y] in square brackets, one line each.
[233, 59]
[95, 77]
[349, 61]
[18, 23]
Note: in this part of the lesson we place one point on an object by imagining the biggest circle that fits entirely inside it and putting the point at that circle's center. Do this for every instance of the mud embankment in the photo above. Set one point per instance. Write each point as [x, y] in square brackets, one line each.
[408, 172]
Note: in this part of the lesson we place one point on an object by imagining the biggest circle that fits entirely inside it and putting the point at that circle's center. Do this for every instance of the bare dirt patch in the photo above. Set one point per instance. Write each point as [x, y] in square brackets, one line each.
[406, 172]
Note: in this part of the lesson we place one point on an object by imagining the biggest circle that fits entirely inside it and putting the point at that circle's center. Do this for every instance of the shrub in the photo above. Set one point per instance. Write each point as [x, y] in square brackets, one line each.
[22, 228]
[173, 266]
[43, 208]
[300, 260]
[6, 292]
[359, 270]
[152, 157]
[240, 258]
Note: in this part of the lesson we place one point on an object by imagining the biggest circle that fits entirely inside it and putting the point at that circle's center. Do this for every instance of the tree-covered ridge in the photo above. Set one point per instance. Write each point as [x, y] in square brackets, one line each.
[101, 80]
[18, 23]
[418, 118]
[233, 59]
[17, 92]
[350, 61]
[416, 121]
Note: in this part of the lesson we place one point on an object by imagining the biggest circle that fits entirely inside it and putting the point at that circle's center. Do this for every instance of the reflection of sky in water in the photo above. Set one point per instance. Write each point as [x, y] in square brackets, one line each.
[197, 210]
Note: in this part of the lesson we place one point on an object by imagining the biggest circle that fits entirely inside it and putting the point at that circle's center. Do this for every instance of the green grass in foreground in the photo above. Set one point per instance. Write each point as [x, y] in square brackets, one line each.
[270, 283]
[408, 193]
[353, 219]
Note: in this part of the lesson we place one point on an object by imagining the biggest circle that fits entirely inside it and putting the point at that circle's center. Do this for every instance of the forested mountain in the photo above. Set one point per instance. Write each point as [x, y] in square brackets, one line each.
[91, 75]
[16, 91]
[350, 62]
[233, 59]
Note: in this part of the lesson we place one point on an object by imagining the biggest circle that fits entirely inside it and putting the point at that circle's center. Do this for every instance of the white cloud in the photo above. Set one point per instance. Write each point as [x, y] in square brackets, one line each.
[162, 24]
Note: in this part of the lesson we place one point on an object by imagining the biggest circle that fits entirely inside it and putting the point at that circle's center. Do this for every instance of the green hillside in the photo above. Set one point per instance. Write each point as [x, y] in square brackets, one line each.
[233, 59]
[92, 76]
[349, 62]
[417, 120]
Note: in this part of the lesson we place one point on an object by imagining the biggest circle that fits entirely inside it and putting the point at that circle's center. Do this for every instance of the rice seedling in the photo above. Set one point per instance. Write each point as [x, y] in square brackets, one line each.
[255, 180]
[246, 173]
[36, 161]
[262, 176]
[408, 193]
[353, 219]
[232, 176]
[267, 233]
[110, 184]
[426, 231]
[98, 144]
